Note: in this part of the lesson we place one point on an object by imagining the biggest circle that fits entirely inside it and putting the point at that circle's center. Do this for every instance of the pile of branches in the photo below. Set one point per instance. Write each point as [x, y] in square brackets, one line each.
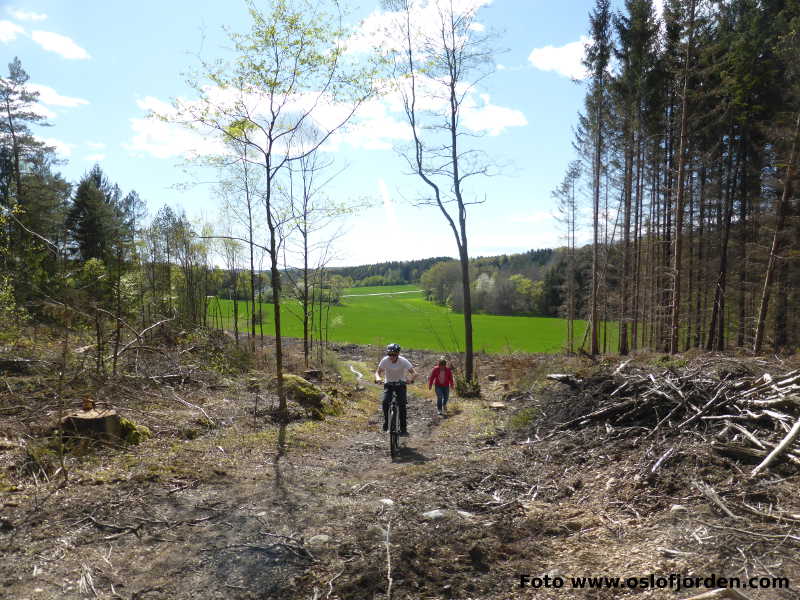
[754, 418]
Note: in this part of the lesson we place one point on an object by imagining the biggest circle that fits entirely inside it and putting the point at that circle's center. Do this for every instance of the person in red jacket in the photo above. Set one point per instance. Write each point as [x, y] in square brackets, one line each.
[442, 378]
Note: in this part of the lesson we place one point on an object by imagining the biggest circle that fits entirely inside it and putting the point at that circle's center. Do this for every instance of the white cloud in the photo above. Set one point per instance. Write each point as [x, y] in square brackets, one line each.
[48, 95]
[164, 139]
[9, 31]
[62, 148]
[490, 118]
[24, 15]
[383, 29]
[60, 44]
[564, 60]
[43, 111]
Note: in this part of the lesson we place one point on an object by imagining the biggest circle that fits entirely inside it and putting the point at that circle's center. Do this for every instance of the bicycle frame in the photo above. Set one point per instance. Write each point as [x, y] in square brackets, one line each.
[394, 425]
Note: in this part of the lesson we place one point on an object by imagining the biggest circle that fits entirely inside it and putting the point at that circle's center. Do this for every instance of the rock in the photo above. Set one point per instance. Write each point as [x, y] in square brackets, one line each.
[305, 393]
[491, 378]
[678, 509]
[387, 502]
[312, 375]
[435, 515]
[318, 542]
[497, 405]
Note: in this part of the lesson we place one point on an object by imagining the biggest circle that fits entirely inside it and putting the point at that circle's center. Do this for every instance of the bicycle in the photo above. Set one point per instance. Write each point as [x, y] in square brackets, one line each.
[394, 427]
[393, 420]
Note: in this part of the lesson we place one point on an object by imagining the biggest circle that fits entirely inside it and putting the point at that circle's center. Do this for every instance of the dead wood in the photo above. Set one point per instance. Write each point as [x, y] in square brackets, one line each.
[566, 379]
[700, 399]
[720, 593]
[781, 448]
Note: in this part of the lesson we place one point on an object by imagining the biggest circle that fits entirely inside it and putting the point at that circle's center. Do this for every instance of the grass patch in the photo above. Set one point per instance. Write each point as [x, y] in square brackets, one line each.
[413, 322]
[522, 419]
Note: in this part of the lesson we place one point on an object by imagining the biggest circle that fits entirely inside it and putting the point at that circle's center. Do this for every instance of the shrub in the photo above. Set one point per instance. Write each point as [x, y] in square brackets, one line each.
[466, 388]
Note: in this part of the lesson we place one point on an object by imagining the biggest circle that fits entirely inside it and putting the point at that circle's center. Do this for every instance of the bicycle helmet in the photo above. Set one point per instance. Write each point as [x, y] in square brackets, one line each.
[393, 348]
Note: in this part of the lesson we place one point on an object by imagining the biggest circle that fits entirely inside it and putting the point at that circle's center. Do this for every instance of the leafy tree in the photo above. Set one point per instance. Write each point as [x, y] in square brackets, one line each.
[288, 65]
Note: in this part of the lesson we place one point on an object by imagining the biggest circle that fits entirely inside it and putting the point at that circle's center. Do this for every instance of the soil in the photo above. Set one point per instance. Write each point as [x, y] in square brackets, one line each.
[222, 502]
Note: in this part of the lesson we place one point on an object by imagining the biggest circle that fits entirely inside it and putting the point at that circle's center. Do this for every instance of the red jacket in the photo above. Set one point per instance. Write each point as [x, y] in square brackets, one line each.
[434, 378]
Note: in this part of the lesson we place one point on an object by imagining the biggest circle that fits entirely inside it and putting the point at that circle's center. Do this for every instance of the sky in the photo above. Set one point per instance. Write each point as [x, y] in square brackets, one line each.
[101, 66]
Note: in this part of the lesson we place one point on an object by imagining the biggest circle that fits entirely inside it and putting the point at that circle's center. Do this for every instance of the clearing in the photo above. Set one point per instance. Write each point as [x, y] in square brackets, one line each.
[221, 502]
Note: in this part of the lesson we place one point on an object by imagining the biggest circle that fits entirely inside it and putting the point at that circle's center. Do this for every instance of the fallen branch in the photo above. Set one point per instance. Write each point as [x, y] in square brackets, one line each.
[780, 518]
[720, 593]
[712, 495]
[388, 561]
[779, 449]
[603, 412]
[566, 379]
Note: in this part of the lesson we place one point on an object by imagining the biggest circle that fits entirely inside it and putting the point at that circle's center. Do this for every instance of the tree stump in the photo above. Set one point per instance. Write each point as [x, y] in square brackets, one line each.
[312, 375]
[96, 424]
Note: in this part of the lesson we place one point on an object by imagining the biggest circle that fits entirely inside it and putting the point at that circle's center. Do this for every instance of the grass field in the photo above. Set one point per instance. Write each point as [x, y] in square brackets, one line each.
[412, 322]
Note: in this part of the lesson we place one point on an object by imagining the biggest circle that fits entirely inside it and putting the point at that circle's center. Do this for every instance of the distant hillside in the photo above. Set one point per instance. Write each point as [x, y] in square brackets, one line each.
[527, 263]
[388, 273]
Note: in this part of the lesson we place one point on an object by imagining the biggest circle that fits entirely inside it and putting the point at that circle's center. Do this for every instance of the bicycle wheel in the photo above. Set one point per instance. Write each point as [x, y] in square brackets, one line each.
[394, 439]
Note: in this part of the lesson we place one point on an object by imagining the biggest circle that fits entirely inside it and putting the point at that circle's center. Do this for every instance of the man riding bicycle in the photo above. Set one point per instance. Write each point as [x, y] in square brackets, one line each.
[395, 371]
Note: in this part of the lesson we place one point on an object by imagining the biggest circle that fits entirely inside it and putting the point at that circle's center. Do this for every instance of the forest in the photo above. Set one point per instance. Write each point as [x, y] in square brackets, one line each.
[687, 153]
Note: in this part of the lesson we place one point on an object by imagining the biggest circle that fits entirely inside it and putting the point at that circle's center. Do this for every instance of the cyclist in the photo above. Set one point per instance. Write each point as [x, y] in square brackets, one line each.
[395, 371]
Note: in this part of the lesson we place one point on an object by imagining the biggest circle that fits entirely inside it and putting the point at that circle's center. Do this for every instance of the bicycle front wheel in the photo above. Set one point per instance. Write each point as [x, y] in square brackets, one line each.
[394, 437]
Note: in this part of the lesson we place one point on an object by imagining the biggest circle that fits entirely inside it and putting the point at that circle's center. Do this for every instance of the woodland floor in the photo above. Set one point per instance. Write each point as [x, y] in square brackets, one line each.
[222, 503]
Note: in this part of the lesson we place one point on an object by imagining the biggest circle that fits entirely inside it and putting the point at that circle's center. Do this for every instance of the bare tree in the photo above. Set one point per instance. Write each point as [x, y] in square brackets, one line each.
[312, 213]
[439, 59]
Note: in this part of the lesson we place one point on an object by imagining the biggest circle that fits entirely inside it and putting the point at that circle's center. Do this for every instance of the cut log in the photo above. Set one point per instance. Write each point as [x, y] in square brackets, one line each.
[96, 424]
[742, 453]
[15, 366]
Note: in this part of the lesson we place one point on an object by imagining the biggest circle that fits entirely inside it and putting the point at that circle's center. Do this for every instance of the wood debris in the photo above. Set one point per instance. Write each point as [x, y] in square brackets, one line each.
[751, 418]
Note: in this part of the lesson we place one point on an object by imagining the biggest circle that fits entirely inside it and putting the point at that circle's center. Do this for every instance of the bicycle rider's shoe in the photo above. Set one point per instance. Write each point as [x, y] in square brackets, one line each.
[404, 433]
[385, 427]
[440, 413]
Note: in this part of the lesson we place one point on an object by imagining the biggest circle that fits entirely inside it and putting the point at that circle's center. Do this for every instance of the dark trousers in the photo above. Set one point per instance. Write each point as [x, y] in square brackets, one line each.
[442, 394]
[399, 389]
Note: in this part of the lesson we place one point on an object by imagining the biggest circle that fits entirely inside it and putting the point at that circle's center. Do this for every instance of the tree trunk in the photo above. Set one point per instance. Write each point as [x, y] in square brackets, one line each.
[775, 248]
[624, 316]
[679, 201]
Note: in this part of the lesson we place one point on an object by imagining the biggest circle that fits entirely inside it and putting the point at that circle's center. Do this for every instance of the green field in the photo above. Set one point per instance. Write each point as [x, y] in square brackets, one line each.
[412, 322]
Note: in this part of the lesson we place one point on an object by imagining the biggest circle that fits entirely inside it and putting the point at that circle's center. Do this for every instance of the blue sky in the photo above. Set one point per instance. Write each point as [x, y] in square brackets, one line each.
[100, 66]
